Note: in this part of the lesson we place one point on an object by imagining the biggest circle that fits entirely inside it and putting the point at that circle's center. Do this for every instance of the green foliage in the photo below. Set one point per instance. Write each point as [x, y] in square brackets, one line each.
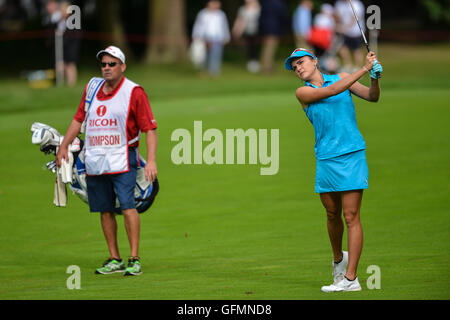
[438, 10]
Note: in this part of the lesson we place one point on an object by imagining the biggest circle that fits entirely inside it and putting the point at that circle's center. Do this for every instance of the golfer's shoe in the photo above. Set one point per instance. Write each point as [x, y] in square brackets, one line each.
[343, 286]
[111, 266]
[133, 268]
[339, 269]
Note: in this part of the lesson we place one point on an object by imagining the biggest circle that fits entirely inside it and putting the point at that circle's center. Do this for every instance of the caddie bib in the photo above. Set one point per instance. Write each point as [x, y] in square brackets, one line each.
[106, 132]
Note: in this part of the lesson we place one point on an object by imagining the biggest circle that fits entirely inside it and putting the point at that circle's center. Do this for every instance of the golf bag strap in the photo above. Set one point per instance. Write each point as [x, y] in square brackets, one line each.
[91, 90]
[135, 139]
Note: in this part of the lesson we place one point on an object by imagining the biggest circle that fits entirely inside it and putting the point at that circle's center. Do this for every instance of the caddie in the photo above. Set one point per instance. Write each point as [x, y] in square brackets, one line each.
[113, 112]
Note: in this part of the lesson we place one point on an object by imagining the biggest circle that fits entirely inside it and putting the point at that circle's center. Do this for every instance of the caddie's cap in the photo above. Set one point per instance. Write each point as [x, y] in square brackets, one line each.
[113, 51]
[298, 53]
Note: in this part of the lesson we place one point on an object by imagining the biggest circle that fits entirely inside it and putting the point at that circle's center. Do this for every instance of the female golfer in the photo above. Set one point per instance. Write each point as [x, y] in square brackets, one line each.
[341, 172]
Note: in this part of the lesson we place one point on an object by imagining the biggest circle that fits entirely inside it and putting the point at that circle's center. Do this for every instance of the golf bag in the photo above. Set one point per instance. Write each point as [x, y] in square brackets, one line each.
[73, 172]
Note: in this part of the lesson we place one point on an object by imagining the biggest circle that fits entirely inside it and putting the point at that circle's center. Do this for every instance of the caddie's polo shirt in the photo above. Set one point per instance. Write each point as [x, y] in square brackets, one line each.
[140, 116]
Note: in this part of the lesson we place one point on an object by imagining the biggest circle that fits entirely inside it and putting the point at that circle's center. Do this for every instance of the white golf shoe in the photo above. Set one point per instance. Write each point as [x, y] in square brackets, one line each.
[343, 285]
[339, 269]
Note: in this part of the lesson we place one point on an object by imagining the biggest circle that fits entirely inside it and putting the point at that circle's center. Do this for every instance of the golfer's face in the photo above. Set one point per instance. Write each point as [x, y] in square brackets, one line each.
[112, 68]
[303, 67]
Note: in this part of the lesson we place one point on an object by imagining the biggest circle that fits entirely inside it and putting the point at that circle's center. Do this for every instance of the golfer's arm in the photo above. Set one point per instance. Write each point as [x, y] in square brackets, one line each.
[72, 132]
[307, 95]
[371, 93]
[151, 139]
[374, 90]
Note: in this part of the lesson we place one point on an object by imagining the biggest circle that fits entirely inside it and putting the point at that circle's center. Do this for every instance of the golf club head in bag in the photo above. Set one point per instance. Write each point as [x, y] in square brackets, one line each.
[49, 140]
[45, 136]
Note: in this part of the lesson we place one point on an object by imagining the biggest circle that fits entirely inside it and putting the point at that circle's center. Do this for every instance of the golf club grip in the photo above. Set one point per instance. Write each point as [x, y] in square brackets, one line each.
[368, 50]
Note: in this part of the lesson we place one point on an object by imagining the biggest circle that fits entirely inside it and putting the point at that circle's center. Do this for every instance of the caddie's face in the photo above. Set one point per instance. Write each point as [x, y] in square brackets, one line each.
[304, 67]
[112, 68]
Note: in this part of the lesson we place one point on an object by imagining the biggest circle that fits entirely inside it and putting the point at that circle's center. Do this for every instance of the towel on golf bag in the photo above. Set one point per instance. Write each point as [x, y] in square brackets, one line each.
[73, 173]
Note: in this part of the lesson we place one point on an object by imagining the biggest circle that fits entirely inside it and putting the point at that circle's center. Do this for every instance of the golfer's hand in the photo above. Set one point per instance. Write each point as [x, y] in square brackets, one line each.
[376, 71]
[370, 60]
[63, 154]
[150, 171]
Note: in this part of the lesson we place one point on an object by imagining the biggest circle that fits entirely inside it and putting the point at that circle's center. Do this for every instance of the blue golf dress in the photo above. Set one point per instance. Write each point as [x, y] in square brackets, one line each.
[339, 146]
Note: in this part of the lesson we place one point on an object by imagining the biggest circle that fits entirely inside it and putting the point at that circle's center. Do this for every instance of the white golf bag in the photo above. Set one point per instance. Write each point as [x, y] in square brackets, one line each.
[73, 172]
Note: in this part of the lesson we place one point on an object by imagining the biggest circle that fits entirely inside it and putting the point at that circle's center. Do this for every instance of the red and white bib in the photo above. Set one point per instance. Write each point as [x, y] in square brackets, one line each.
[106, 133]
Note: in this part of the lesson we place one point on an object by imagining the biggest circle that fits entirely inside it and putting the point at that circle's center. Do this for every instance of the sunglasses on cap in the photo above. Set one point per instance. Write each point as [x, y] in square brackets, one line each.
[111, 64]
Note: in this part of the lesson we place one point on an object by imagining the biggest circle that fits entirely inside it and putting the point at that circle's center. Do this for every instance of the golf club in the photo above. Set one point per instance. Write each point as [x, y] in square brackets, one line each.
[362, 32]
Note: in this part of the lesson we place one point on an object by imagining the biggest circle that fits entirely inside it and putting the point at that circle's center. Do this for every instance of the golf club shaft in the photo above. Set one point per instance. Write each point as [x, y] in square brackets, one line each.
[359, 26]
[362, 32]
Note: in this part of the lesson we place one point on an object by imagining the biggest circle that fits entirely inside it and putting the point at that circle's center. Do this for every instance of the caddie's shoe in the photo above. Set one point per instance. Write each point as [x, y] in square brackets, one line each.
[133, 268]
[343, 285]
[111, 266]
[339, 269]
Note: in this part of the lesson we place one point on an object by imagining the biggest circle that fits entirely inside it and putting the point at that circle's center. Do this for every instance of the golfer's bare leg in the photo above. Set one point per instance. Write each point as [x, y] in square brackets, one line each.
[351, 204]
[109, 226]
[133, 226]
[333, 206]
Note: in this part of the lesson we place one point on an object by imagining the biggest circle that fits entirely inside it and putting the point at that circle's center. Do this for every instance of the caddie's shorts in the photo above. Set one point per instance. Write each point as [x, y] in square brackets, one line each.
[113, 192]
[342, 173]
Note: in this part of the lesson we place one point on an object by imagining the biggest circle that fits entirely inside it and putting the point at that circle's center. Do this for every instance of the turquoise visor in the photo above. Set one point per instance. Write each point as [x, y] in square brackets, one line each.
[298, 53]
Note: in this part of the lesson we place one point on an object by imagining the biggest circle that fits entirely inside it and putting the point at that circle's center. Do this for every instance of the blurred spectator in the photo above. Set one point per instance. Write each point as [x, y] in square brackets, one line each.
[53, 13]
[272, 24]
[246, 27]
[72, 41]
[351, 51]
[322, 32]
[322, 38]
[211, 26]
[301, 23]
[55, 20]
[50, 21]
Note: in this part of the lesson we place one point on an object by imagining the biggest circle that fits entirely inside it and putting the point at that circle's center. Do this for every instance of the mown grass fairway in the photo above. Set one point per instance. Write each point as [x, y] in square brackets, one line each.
[225, 231]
